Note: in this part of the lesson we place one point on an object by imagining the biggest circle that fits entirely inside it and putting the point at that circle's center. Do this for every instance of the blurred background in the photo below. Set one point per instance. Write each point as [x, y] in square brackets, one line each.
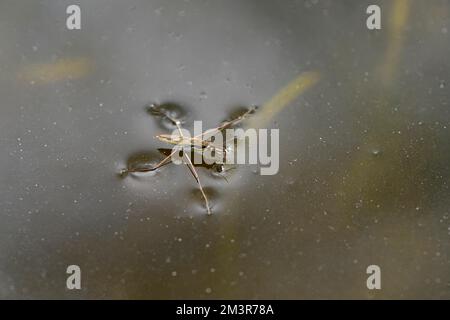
[364, 149]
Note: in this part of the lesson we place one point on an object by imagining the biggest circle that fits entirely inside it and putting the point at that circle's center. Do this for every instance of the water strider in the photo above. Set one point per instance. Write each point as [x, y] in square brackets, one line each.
[184, 143]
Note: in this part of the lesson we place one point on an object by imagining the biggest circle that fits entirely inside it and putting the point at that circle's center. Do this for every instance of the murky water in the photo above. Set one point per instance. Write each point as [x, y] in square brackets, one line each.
[364, 153]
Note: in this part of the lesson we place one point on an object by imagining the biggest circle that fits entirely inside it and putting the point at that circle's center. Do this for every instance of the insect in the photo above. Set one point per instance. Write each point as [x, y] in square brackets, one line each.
[196, 144]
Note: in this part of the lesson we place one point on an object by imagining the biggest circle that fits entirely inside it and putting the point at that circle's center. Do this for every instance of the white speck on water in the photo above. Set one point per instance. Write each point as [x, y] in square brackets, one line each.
[376, 152]
[290, 181]
[208, 290]
[203, 95]
[174, 273]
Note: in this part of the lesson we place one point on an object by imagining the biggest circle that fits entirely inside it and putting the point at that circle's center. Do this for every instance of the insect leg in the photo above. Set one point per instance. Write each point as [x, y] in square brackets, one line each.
[160, 164]
[197, 178]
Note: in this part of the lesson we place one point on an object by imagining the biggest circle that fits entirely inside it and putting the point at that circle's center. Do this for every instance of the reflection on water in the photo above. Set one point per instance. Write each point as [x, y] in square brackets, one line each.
[173, 110]
[364, 154]
[139, 163]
